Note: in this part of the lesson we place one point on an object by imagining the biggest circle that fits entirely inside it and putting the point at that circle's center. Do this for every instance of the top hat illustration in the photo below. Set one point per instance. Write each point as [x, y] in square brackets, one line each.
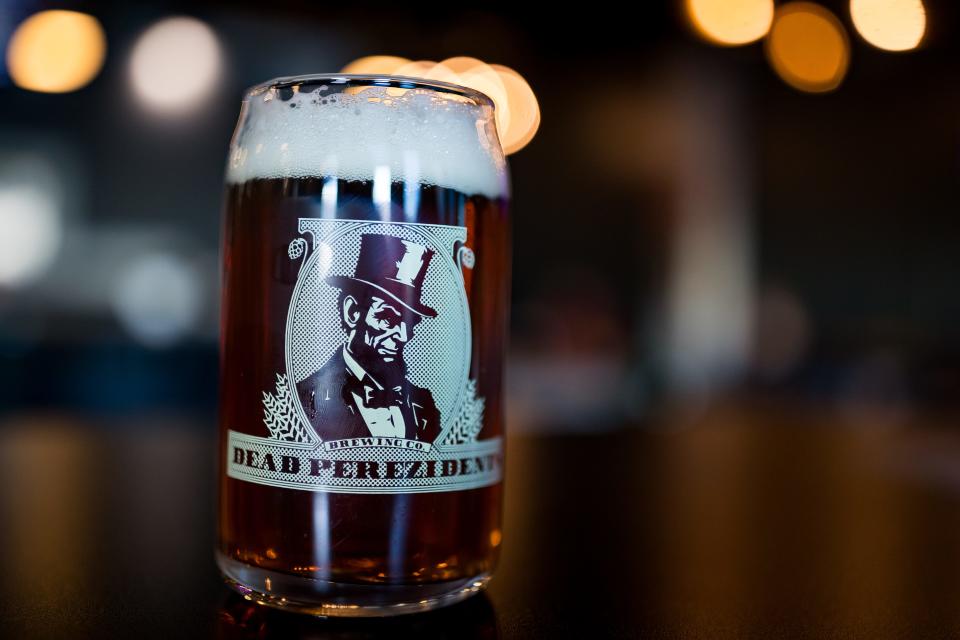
[392, 266]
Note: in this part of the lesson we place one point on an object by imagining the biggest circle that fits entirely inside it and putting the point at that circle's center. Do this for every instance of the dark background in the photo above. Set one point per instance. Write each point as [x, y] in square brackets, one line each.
[686, 224]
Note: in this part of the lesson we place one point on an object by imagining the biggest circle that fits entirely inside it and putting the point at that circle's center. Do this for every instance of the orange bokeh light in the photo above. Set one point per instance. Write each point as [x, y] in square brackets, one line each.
[56, 51]
[808, 47]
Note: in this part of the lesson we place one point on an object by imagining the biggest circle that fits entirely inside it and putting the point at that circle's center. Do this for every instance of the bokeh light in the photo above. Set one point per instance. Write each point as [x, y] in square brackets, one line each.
[808, 47]
[175, 64]
[442, 73]
[414, 69]
[157, 298]
[479, 76]
[463, 64]
[893, 25]
[517, 111]
[56, 51]
[375, 65]
[31, 218]
[524, 110]
[730, 22]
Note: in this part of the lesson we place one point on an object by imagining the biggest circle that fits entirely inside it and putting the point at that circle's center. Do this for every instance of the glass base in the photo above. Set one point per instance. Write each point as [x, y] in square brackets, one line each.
[341, 599]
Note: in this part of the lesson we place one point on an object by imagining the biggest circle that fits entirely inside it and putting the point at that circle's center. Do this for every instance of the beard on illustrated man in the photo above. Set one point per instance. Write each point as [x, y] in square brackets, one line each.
[363, 390]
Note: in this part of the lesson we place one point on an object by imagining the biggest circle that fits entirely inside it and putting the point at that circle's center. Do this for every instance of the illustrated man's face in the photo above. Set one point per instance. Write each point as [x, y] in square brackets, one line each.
[382, 328]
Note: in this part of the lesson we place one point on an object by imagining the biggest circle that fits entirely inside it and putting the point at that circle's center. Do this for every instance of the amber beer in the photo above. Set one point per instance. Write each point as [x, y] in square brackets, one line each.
[365, 292]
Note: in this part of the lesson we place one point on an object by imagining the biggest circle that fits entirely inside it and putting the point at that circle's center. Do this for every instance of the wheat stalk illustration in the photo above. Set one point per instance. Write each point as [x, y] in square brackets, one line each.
[469, 419]
[281, 416]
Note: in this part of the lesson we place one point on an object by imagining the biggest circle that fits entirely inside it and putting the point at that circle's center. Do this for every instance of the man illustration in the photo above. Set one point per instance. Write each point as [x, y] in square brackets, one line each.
[363, 389]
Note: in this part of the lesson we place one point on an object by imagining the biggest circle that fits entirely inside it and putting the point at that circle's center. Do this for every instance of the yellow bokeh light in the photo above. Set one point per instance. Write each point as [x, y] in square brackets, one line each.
[730, 22]
[478, 75]
[524, 110]
[442, 73]
[463, 64]
[517, 111]
[56, 51]
[893, 25]
[375, 65]
[414, 69]
[808, 47]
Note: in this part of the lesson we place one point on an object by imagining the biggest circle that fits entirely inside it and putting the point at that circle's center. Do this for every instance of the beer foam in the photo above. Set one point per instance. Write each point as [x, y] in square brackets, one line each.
[414, 136]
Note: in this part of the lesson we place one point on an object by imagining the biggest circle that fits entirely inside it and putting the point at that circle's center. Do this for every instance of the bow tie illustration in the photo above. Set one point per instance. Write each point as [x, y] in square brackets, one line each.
[371, 395]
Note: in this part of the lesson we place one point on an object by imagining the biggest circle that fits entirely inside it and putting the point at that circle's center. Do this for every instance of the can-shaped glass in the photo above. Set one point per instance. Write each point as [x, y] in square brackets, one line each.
[366, 272]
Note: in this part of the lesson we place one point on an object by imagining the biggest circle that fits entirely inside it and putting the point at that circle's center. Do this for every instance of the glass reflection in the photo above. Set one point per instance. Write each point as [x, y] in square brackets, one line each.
[473, 619]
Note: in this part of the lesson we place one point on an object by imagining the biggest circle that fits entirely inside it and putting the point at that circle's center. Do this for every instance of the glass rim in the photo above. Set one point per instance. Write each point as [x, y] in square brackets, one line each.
[371, 80]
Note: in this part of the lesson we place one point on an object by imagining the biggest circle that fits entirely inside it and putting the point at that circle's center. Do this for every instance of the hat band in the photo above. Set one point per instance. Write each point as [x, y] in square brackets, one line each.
[425, 314]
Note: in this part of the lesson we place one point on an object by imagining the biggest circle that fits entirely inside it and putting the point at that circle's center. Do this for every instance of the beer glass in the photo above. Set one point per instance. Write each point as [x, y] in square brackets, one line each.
[365, 292]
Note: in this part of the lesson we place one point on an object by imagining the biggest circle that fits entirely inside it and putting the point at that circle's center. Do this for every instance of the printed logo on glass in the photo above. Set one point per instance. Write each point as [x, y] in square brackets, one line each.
[376, 396]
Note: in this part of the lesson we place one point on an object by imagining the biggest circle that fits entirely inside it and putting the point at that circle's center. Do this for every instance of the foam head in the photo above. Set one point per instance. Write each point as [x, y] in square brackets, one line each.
[330, 128]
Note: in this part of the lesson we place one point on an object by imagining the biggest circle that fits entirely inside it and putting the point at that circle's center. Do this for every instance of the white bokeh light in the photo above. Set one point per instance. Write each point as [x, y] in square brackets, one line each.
[175, 64]
[892, 25]
[31, 220]
[157, 298]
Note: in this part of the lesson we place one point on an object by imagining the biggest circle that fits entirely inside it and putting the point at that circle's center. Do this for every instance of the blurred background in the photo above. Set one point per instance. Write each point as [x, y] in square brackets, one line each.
[735, 284]
[769, 191]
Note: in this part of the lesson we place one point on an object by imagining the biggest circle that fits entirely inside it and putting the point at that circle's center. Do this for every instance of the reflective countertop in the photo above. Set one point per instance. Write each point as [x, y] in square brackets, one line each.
[742, 521]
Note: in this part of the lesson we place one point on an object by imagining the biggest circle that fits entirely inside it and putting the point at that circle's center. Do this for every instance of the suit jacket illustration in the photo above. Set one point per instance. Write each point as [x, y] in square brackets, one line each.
[331, 408]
